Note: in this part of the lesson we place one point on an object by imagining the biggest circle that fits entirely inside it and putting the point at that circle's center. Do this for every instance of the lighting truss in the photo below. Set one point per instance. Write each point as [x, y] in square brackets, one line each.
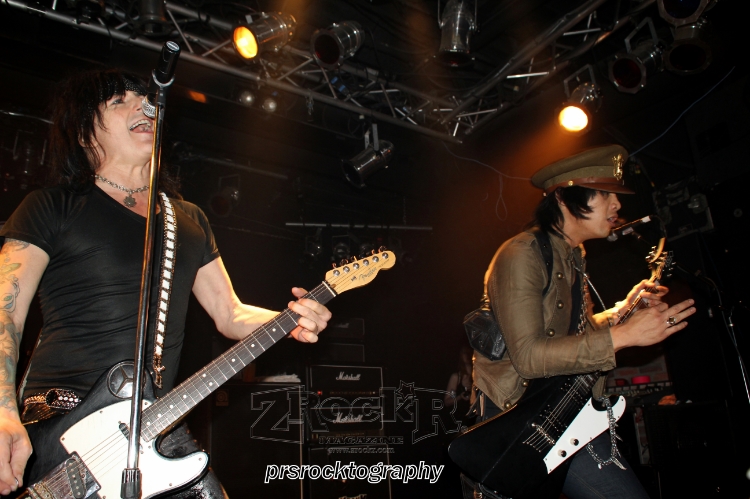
[442, 114]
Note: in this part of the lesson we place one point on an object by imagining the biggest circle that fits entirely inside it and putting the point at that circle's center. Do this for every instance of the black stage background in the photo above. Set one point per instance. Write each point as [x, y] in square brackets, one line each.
[412, 313]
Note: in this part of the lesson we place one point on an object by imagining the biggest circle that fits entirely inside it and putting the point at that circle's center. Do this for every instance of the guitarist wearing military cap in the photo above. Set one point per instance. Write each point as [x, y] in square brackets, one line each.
[546, 321]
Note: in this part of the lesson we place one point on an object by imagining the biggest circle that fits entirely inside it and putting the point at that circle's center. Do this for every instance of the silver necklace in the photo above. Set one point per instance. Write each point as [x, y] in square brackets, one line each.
[129, 199]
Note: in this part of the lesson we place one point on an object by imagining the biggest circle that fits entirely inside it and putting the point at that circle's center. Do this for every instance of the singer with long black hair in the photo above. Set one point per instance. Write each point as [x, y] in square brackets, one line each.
[79, 244]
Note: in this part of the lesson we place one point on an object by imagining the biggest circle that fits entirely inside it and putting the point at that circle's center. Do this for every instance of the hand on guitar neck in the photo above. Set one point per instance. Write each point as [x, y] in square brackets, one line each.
[643, 319]
[645, 294]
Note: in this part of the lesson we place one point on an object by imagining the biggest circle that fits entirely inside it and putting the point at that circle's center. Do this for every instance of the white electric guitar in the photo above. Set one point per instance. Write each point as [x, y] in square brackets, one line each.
[83, 453]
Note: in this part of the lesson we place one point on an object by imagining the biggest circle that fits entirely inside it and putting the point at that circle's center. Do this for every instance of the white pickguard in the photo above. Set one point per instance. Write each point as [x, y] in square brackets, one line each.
[588, 424]
[104, 449]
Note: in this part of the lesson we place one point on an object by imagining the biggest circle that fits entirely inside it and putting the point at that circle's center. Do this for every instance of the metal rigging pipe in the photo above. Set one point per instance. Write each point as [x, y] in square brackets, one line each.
[248, 75]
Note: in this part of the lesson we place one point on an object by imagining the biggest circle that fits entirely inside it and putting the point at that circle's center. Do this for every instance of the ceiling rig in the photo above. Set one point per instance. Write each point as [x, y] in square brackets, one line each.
[323, 74]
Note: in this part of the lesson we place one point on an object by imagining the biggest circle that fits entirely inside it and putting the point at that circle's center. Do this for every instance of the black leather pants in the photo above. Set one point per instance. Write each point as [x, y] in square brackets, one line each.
[179, 442]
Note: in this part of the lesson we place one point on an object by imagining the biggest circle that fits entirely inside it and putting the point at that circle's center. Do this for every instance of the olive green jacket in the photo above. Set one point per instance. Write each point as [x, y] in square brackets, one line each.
[535, 327]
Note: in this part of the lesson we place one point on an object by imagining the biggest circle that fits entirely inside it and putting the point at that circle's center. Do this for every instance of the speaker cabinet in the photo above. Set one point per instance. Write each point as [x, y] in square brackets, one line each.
[252, 426]
[361, 455]
[346, 399]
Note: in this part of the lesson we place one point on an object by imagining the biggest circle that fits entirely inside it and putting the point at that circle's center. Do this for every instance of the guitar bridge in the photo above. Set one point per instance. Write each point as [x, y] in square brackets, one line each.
[69, 480]
[537, 443]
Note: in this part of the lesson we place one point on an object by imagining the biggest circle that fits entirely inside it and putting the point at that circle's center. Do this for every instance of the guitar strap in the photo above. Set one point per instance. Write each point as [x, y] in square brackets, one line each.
[168, 255]
[545, 246]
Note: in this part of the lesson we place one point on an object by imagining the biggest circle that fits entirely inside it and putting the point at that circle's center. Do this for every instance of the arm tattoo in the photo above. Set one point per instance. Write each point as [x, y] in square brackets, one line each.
[10, 339]
[9, 344]
[8, 300]
[10, 336]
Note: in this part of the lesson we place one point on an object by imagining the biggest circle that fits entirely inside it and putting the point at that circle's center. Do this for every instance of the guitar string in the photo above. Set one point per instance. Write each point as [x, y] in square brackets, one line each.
[655, 275]
[580, 386]
[563, 407]
[99, 463]
[100, 457]
[287, 312]
[236, 351]
[565, 411]
[58, 481]
[563, 403]
[559, 411]
[559, 414]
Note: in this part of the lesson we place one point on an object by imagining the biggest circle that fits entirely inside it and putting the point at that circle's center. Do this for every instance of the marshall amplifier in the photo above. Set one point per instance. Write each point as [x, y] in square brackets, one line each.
[342, 343]
[329, 351]
[345, 331]
[343, 400]
[344, 486]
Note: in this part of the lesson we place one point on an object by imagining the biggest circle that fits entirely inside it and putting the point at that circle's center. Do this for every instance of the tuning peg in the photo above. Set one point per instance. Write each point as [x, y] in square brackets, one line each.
[344, 262]
[382, 249]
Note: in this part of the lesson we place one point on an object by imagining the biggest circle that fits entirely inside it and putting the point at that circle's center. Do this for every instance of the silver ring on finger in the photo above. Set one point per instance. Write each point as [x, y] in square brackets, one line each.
[671, 321]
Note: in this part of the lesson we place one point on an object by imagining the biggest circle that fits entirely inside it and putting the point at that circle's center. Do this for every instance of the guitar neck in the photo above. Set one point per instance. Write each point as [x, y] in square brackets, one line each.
[178, 402]
[637, 303]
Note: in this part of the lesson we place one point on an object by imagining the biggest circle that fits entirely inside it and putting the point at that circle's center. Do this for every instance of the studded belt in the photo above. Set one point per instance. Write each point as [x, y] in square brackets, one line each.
[51, 403]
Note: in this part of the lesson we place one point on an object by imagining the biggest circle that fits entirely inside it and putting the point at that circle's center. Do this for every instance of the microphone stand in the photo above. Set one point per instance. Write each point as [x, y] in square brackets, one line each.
[726, 319]
[131, 476]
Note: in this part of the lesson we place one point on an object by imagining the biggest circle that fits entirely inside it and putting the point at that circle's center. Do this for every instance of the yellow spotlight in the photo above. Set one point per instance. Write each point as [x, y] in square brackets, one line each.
[245, 42]
[573, 119]
[581, 104]
[270, 32]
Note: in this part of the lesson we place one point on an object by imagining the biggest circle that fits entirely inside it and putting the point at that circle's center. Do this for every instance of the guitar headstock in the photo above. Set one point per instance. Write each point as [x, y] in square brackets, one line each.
[655, 253]
[661, 265]
[349, 275]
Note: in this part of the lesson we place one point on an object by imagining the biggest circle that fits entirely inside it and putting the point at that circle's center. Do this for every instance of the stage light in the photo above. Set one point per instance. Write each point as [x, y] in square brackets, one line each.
[246, 98]
[689, 52]
[628, 71]
[152, 18]
[313, 246]
[270, 105]
[366, 248]
[581, 104]
[367, 162]
[573, 119]
[332, 45]
[341, 248]
[457, 23]
[225, 198]
[679, 12]
[270, 32]
[578, 111]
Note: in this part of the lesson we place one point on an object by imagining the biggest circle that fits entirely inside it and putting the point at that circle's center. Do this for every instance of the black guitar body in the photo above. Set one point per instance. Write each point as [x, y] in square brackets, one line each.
[113, 386]
[506, 453]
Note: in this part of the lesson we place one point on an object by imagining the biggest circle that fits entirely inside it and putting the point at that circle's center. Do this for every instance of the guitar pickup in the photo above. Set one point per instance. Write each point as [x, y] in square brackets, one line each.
[69, 480]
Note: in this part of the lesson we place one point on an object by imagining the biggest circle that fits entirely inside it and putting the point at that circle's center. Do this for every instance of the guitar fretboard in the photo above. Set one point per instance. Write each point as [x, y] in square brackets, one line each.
[178, 402]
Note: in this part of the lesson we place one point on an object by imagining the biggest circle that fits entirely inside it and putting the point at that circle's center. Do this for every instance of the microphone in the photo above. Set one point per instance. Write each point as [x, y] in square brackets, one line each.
[161, 76]
[628, 228]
